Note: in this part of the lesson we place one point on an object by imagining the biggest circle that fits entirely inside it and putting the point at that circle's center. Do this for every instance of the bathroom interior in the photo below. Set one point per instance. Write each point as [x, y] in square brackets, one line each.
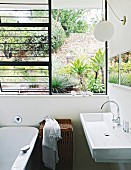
[33, 108]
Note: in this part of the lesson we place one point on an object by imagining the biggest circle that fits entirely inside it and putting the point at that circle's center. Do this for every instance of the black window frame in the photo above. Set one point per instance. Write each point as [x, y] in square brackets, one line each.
[49, 64]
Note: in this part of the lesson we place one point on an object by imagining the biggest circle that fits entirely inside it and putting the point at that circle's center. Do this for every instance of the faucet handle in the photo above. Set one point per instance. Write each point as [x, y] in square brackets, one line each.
[113, 119]
[126, 126]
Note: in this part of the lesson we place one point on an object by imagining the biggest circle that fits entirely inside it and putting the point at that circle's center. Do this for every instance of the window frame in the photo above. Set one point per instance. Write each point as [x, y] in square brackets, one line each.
[49, 64]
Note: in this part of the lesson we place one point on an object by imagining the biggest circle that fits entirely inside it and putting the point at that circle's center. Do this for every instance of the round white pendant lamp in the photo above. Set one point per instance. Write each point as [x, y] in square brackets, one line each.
[104, 31]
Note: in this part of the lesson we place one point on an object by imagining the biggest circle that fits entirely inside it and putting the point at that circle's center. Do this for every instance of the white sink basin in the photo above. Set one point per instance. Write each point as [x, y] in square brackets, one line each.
[107, 144]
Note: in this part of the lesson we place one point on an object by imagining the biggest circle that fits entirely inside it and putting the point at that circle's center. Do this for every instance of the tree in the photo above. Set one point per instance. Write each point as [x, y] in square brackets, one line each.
[71, 20]
[58, 34]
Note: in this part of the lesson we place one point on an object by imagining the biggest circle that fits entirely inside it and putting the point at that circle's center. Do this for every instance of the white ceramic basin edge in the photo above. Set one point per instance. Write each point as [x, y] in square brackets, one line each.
[106, 144]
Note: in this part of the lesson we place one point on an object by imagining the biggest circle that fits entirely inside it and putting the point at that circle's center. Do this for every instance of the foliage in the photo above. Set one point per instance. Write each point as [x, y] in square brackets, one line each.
[113, 73]
[57, 38]
[83, 70]
[97, 63]
[71, 20]
[95, 86]
[58, 35]
[126, 79]
[126, 67]
[77, 68]
[113, 69]
[100, 58]
[61, 81]
[56, 65]
[33, 43]
[61, 84]
[10, 39]
[80, 27]
[28, 74]
[125, 76]
[113, 78]
[39, 14]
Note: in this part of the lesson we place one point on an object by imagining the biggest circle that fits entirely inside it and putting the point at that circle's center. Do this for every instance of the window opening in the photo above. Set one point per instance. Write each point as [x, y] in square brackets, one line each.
[78, 59]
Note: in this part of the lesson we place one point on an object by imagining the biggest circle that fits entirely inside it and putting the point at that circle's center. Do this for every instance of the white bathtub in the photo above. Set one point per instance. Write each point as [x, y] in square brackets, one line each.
[12, 139]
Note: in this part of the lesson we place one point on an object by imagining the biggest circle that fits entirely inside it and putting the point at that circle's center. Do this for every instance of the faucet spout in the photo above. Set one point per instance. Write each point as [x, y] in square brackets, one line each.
[115, 120]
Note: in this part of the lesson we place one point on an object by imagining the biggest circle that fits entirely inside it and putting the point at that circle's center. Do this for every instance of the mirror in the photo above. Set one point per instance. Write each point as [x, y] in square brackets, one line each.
[120, 69]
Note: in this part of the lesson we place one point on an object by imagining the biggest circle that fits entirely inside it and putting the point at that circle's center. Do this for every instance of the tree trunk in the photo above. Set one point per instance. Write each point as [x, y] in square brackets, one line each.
[81, 81]
[58, 15]
[96, 75]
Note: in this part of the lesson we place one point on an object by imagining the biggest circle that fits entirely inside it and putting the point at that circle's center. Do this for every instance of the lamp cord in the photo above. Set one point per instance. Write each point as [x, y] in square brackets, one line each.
[114, 12]
[102, 13]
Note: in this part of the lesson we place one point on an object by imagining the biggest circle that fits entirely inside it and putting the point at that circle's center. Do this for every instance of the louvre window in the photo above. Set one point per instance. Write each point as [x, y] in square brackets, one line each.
[25, 48]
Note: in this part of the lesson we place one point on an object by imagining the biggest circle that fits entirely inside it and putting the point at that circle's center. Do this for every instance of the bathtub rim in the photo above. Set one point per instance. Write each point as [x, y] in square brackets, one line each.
[22, 159]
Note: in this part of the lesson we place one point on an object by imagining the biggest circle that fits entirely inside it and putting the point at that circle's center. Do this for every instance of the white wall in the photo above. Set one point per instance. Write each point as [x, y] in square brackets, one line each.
[122, 95]
[121, 42]
[62, 4]
[82, 4]
[32, 109]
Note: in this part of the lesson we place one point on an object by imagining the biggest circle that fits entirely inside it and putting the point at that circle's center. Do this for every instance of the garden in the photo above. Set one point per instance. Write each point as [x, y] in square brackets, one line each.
[79, 60]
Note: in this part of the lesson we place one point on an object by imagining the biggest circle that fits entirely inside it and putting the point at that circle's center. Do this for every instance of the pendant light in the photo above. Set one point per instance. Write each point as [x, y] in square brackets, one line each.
[104, 29]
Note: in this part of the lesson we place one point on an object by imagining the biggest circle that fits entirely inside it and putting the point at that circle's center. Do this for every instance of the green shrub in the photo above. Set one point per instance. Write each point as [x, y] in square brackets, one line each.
[113, 78]
[95, 86]
[61, 84]
[58, 35]
[126, 79]
[77, 69]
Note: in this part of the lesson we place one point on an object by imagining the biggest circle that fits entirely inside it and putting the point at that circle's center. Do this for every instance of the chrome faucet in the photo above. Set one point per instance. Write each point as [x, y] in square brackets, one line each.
[115, 120]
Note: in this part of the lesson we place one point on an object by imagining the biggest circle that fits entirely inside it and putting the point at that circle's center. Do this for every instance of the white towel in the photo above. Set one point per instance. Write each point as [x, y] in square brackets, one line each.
[51, 134]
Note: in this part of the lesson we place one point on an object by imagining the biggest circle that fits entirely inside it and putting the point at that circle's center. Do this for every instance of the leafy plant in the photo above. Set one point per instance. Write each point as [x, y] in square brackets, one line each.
[97, 63]
[78, 68]
[61, 84]
[95, 86]
[126, 67]
[126, 79]
[113, 78]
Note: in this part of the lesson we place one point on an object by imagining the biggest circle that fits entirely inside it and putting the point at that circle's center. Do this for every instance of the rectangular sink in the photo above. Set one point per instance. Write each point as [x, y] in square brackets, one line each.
[107, 141]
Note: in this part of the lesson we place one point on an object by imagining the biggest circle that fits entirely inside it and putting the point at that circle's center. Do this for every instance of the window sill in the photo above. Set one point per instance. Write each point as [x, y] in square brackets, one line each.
[53, 96]
[120, 86]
